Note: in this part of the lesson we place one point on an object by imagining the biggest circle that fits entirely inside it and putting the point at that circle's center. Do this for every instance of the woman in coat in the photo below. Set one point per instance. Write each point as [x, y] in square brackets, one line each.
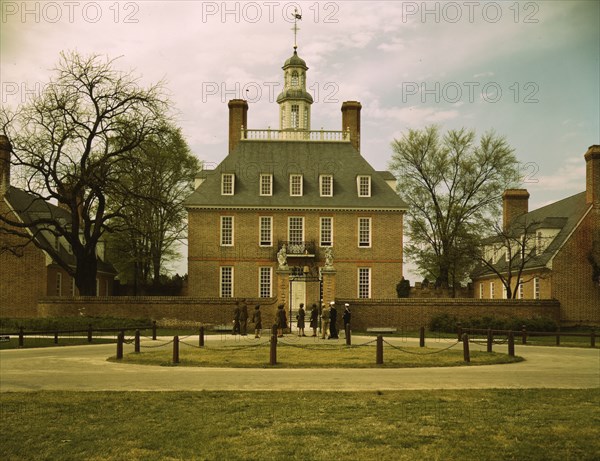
[281, 320]
[314, 319]
[257, 320]
[300, 317]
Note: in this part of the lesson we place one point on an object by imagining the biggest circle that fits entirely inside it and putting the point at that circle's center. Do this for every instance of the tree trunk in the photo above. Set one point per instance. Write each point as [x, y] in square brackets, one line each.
[85, 274]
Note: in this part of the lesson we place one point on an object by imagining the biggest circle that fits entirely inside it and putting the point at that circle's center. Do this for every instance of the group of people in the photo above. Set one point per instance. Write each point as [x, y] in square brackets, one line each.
[328, 316]
[240, 320]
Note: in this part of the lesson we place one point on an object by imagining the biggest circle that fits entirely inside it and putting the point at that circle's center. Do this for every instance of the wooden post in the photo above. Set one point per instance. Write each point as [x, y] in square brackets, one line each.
[137, 341]
[466, 352]
[89, 333]
[120, 339]
[21, 337]
[511, 344]
[348, 335]
[273, 349]
[593, 339]
[154, 330]
[56, 337]
[201, 337]
[558, 339]
[422, 337]
[176, 349]
[459, 331]
[523, 335]
[379, 352]
[490, 340]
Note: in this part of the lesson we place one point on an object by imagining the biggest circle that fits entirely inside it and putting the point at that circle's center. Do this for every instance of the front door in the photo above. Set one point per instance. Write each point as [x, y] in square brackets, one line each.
[297, 295]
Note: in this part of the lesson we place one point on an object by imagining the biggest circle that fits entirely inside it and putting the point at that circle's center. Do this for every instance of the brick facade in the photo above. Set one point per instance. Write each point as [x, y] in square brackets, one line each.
[206, 255]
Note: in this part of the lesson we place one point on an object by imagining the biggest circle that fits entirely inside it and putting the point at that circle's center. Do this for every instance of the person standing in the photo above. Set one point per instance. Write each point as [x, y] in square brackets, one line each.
[244, 320]
[333, 332]
[324, 321]
[236, 318]
[257, 321]
[300, 317]
[281, 320]
[314, 319]
[346, 316]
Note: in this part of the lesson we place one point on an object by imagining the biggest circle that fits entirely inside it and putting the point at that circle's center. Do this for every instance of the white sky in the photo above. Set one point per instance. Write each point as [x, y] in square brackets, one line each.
[528, 70]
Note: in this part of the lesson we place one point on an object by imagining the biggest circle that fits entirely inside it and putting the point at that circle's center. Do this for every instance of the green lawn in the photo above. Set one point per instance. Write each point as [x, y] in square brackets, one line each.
[447, 425]
[256, 354]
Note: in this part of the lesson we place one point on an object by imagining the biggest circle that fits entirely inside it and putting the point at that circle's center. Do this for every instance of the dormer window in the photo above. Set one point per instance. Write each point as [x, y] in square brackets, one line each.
[363, 184]
[227, 183]
[296, 185]
[266, 184]
[326, 185]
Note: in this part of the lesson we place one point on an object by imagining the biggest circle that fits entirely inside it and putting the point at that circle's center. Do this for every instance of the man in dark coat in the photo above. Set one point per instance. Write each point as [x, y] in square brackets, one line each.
[347, 315]
[300, 319]
[332, 321]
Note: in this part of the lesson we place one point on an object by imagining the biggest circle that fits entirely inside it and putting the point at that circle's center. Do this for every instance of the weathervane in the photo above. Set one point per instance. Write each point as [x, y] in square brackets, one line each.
[296, 28]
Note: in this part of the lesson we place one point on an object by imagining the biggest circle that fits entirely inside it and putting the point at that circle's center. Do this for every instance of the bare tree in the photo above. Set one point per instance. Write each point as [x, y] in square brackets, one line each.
[509, 252]
[69, 143]
[452, 185]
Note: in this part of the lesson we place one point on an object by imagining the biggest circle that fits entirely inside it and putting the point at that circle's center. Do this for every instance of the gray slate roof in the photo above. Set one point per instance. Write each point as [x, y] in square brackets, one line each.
[563, 215]
[30, 207]
[282, 158]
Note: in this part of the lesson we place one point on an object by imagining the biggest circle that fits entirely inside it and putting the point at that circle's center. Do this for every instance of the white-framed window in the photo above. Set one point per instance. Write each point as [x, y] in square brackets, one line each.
[226, 231]
[58, 284]
[296, 230]
[227, 184]
[295, 78]
[97, 287]
[480, 290]
[326, 185]
[295, 115]
[265, 277]
[364, 232]
[536, 288]
[492, 285]
[504, 292]
[520, 289]
[364, 282]
[363, 185]
[306, 122]
[266, 185]
[326, 232]
[265, 231]
[539, 243]
[296, 185]
[226, 282]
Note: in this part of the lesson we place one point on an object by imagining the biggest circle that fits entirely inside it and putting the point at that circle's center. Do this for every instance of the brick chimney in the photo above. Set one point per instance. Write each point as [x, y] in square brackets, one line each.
[515, 202]
[592, 176]
[5, 150]
[238, 117]
[351, 121]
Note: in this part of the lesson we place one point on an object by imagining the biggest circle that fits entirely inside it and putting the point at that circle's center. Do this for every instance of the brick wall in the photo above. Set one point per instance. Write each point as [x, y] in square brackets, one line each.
[406, 313]
[572, 282]
[545, 281]
[414, 313]
[166, 311]
[22, 278]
